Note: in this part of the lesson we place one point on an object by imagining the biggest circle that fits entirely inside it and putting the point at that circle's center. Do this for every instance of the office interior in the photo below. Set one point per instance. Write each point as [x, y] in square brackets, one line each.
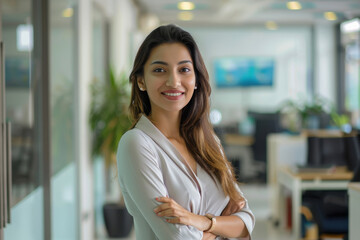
[299, 55]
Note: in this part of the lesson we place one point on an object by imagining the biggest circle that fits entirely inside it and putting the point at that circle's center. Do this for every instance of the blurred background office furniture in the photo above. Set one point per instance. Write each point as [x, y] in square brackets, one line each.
[330, 208]
[332, 150]
[297, 183]
[237, 148]
[23, 162]
[354, 210]
[265, 124]
[283, 150]
[118, 221]
[248, 150]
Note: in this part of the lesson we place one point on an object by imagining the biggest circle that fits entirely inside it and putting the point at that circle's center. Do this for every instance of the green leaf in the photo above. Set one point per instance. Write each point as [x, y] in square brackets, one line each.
[108, 117]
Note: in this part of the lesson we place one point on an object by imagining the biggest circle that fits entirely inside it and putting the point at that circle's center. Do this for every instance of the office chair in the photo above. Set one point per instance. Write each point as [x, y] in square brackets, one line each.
[234, 160]
[330, 208]
[265, 123]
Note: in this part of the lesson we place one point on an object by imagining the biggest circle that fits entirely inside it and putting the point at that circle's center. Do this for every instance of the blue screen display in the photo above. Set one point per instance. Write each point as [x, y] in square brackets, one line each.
[244, 71]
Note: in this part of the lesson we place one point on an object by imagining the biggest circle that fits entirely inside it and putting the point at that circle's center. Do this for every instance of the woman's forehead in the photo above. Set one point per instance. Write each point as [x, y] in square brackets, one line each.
[169, 52]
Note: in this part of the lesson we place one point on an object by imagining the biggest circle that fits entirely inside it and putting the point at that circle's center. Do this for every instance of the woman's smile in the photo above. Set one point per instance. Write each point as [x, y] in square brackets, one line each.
[173, 94]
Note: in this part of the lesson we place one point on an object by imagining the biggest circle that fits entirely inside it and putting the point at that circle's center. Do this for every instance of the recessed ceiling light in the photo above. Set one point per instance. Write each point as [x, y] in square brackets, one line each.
[293, 5]
[331, 16]
[185, 16]
[186, 6]
[271, 25]
[351, 26]
[24, 37]
[68, 12]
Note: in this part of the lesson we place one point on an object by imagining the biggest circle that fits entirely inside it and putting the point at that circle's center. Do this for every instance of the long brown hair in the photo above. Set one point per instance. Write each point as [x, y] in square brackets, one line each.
[195, 126]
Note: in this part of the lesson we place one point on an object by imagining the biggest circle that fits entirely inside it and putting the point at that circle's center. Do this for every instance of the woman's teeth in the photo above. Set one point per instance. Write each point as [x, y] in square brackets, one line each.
[173, 94]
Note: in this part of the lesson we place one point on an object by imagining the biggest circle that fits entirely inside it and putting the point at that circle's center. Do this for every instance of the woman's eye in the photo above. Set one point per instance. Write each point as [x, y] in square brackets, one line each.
[159, 70]
[185, 70]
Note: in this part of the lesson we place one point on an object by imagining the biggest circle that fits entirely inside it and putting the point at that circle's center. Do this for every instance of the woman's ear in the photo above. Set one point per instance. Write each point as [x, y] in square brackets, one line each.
[141, 83]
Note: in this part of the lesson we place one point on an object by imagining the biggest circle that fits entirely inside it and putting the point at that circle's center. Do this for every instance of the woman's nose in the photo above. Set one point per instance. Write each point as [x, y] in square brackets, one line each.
[173, 80]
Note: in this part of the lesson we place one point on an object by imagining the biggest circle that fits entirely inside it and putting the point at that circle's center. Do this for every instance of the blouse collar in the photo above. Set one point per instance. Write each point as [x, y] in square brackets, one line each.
[145, 125]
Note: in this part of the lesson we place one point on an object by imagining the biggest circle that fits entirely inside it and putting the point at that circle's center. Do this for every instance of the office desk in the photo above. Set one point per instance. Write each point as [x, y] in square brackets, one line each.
[239, 147]
[354, 211]
[299, 182]
[237, 139]
[283, 150]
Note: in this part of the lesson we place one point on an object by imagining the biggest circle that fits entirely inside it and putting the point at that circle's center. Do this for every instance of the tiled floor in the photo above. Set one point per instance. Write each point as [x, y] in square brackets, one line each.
[258, 197]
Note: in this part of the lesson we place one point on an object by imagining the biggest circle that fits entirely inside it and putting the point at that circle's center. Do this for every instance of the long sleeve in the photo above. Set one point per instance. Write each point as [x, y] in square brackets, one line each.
[246, 214]
[141, 181]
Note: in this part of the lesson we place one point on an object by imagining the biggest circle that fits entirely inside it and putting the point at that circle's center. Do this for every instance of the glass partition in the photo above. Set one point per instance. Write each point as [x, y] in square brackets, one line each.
[17, 33]
[63, 105]
[27, 202]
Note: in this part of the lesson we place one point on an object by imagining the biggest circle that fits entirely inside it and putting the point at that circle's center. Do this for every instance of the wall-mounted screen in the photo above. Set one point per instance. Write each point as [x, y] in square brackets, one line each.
[244, 71]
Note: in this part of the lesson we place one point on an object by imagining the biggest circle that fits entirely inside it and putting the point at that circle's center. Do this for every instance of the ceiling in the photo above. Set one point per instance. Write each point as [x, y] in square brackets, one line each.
[252, 12]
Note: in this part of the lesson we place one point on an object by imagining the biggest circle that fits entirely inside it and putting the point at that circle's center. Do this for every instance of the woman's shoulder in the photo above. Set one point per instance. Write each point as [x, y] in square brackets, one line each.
[134, 137]
[134, 145]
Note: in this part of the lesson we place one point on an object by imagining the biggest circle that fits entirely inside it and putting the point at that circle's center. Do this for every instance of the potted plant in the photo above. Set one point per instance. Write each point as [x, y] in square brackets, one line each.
[312, 114]
[109, 120]
[290, 117]
[341, 121]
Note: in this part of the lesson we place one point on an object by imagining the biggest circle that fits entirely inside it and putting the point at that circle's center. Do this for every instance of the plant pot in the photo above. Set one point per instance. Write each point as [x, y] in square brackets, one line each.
[118, 221]
[312, 122]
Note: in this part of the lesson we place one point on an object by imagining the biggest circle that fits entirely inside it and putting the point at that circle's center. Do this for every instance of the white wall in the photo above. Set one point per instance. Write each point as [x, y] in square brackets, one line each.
[123, 29]
[289, 47]
[325, 62]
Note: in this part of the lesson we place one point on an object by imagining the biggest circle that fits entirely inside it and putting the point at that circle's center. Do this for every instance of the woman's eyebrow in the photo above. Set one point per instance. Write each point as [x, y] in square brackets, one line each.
[165, 63]
[185, 61]
[159, 62]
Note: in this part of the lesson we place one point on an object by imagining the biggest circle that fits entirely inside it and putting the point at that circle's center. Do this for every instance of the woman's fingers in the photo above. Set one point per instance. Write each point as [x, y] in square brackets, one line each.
[169, 206]
[162, 207]
[172, 211]
[227, 211]
[176, 214]
[167, 203]
[164, 199]
[233, 207]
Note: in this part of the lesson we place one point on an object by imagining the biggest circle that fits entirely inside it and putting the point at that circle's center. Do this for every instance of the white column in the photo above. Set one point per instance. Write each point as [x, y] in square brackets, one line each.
[84, 161]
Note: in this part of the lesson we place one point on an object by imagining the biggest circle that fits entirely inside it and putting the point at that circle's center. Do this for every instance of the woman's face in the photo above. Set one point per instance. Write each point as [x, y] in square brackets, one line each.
[169, 78]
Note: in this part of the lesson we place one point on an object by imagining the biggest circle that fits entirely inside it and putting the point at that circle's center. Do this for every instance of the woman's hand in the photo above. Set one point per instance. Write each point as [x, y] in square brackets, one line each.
[174, 213]
[208, 236]
[233, 207]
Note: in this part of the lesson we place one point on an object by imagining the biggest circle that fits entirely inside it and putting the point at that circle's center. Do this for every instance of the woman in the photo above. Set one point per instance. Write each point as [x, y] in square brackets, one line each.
[173, 174]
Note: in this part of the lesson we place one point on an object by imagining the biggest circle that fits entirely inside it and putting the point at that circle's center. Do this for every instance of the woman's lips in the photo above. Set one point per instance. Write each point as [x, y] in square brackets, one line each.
[173, 95]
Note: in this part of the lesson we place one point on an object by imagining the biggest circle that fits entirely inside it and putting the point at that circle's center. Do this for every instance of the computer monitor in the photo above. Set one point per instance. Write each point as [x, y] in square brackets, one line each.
[333, 151]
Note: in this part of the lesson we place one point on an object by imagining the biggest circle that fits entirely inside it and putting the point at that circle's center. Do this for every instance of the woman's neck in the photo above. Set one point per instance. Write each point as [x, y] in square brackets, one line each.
[168, 124]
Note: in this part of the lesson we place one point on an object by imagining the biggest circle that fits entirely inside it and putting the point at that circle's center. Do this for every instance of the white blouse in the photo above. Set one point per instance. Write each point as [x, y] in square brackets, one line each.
[150, 166]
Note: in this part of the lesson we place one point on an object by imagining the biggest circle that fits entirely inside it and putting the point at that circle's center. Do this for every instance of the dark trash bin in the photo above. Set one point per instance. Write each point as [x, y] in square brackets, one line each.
[118, 221]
